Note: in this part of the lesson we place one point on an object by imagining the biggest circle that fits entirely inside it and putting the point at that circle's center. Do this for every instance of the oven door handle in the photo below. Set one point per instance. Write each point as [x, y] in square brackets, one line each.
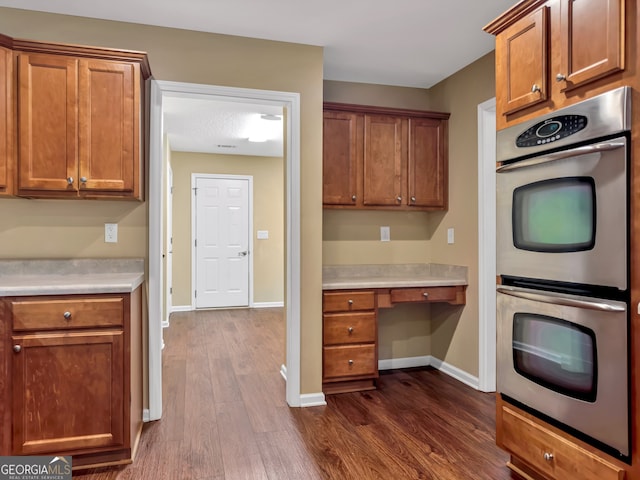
[552, 157]
[557, 299]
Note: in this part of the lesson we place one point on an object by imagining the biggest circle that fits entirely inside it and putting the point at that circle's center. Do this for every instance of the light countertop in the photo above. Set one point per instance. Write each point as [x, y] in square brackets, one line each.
[342, 277]
[70, 276]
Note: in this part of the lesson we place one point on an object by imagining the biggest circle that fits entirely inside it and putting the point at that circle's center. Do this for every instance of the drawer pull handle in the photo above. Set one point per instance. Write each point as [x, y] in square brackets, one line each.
[67, 315]
[17, 348]
[548, 456]
[350, 329]
[353, 198]
[350, 362]
[425, 294]
[350, 302]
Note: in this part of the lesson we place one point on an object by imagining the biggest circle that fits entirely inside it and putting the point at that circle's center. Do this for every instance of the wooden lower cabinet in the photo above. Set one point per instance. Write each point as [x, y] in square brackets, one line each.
[76, 376]
[350, 337]
[542, 453]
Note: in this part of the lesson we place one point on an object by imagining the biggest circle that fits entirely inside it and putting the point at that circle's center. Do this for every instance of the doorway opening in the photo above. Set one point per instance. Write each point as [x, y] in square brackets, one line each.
[290, 102]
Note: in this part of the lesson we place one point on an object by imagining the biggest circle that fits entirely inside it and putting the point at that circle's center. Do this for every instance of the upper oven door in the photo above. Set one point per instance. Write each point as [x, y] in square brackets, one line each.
[562, 216]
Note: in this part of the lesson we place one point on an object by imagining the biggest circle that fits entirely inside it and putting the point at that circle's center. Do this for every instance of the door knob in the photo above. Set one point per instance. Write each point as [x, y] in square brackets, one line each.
[243, 254]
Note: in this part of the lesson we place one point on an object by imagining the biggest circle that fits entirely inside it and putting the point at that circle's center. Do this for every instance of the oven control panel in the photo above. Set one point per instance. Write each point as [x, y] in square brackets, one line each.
[551, 129]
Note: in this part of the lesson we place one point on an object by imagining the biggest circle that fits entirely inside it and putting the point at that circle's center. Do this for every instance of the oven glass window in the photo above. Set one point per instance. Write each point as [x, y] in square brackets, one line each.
[556, 354]
[557, 215]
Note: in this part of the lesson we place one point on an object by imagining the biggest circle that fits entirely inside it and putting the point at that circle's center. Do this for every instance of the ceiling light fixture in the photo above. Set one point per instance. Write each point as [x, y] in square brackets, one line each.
[266, 127]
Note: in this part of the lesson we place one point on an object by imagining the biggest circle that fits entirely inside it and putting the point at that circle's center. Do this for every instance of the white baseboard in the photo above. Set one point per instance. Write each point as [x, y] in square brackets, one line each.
[145, 415]
[430, 361]
[181, 308]
[312, 400]
[456, 373]
[268, 304]
[408, 362]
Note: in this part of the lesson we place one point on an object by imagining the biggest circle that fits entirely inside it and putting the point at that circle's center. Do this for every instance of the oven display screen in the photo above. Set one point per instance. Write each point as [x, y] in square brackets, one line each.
[555, 216]
[556, 354]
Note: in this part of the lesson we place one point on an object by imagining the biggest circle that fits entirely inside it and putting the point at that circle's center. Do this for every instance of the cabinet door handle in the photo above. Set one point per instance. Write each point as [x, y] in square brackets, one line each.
[425, 294]
[83, 179]
[413, 199]
[353, 198]
[350, 329]
[350, 302]
[399, 198]
[560, 77]
[548, 456]
[70, 180]
[67, 315]
[17, 348]
[535, 88]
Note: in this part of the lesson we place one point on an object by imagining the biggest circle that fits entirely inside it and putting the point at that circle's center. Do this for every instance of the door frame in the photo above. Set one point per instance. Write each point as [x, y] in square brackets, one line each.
[487, 245]
[194, 177]
[290, 101]
[168, 295]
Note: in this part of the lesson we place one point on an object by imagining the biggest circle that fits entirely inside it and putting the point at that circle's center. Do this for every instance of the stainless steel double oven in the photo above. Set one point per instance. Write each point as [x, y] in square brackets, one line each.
[562, 259]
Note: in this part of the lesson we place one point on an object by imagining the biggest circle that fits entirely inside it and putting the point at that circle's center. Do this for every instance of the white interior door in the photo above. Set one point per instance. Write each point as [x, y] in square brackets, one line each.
[221, 242]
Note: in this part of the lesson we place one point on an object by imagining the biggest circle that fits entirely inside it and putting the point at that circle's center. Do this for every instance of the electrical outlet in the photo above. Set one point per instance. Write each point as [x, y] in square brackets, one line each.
[450, 238]
[385, 234]
[111, 233]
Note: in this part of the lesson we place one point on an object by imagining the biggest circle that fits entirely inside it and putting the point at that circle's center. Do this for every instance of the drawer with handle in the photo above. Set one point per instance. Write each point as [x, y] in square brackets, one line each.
[350, 361]
[38, 313]
[549, 453]
[340, 328]
[348, 301]
[424, 294]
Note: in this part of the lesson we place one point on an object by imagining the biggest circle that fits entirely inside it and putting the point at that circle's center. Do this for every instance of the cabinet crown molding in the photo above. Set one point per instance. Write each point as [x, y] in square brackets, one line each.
[353, 108]
[518, 10]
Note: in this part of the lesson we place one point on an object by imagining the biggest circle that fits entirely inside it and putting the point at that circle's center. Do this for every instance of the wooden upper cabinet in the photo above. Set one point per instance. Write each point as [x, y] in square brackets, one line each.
[341, 155]
[381, 158]
[523, 52]
[428, 167]
[108, 120]
[80, 121]
[48, 122]
[592, 40]
[553, 53]
[6, 121]
[384, 175]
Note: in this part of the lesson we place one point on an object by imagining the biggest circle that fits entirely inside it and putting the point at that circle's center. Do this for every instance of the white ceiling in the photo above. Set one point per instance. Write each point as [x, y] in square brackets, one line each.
[411, 43]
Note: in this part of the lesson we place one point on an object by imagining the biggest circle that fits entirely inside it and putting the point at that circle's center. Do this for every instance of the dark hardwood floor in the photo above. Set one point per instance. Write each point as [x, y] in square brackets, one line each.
[225, 416]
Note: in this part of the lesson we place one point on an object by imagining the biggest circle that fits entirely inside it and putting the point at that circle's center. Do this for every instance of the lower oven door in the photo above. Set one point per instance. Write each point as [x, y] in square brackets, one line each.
[565, 356]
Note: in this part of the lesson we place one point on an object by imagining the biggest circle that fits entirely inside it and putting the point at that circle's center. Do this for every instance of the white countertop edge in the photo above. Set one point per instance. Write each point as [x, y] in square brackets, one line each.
[71, 284]
[356, 283]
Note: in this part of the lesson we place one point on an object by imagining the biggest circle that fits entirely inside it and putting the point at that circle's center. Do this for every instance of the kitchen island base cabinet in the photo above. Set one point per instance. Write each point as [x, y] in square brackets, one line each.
[76, 376]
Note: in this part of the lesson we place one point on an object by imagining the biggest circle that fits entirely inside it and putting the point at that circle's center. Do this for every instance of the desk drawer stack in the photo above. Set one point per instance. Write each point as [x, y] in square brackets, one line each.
[350, 333]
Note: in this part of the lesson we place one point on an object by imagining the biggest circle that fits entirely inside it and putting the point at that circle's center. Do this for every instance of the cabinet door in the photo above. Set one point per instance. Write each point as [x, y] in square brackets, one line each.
[522, 62]
[383, 160]
[340, 158]
[428, 178]
[592, 40]
[6, 122]
[108, 125]
[48, 120]
[67, 391]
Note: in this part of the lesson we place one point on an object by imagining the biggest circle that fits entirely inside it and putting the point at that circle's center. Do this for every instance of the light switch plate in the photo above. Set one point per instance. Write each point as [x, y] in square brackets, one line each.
[385, 234]
[450, 236]
[263, 234]
[111, 233]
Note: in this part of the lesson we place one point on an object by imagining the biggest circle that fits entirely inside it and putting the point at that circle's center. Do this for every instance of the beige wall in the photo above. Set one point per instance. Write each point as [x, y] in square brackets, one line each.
[76, 228]
[268, 214]
[454, 334]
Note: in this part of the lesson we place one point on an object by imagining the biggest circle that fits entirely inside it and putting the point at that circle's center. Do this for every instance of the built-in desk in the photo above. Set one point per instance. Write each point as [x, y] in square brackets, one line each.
[352, 295]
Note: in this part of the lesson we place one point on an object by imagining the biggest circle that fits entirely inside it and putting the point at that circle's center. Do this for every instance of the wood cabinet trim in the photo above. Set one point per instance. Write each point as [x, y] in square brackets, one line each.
[518, 10]
[349, 107]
